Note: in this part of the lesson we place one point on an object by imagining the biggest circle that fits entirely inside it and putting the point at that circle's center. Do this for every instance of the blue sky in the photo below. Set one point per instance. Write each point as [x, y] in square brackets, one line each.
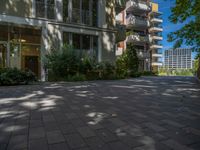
[164, 7]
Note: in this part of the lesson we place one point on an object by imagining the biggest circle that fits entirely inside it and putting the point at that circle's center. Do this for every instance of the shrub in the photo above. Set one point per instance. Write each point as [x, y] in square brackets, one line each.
[14, 76]
[76, 77]
[66, 65]
[105, 70]
[148, 73]
[121, 66]
[62, 63]
[132, 59]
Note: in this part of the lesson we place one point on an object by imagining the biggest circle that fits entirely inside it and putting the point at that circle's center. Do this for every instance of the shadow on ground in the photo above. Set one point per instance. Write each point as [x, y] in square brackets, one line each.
[148, 113]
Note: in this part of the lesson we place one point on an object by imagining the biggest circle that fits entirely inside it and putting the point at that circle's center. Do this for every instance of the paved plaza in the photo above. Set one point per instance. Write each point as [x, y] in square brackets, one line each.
[147, 113]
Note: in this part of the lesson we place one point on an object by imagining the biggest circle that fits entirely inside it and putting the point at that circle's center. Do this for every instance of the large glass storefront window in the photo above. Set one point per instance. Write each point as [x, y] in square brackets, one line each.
[84, 45]
[23, 49]
[3, 55]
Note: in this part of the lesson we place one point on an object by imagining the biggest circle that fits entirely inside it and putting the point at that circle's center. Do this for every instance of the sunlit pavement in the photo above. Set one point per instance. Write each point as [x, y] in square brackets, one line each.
[148, 113]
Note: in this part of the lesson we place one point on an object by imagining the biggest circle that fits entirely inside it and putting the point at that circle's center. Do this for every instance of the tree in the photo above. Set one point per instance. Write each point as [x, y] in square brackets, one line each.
[132, 58]
[188, 13]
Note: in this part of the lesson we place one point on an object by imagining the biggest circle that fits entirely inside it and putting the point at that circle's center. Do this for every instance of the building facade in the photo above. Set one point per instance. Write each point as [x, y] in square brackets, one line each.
[143, 29]
[180, 58]
[29, 29]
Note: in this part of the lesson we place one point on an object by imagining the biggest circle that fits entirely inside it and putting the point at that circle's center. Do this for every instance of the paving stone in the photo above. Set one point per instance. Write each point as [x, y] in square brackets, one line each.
[38, 144]
[59, 146]
[55, 137]
[3, 146]
[155, 127]
[85, 132]
[75, 140]
[146, 113]
[18, 142]
[96, 143]
[173, 123]
[118, 146]
[175, 146]
[106, 135]
[51, 126]
[36, 133]
[67, 128]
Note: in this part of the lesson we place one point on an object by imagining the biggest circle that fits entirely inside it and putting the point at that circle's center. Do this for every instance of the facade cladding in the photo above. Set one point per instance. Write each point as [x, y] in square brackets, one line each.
[143, 24]
[180, 58]
[29, 29]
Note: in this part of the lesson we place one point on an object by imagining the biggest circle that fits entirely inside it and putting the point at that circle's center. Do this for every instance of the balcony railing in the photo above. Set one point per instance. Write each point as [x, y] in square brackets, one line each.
[139, 5]
[156, 29]
[137, 39]
[137, 21]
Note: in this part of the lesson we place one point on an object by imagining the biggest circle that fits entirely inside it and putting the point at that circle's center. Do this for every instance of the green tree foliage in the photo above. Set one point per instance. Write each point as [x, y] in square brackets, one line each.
[188, 13]
[132, 58]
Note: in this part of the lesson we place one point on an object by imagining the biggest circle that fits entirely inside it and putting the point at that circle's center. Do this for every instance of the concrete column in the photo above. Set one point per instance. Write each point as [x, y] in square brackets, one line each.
[43, 50]
[100, 48]
[70, 10]
[34, 8]
[59, 10]
[101, 14]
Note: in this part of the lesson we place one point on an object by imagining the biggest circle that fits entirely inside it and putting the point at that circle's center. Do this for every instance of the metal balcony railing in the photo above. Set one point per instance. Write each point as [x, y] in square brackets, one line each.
[136, 21]
[138, 4]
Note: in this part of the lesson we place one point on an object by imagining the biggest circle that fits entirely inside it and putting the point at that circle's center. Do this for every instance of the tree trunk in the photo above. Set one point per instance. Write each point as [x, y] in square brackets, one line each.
[198, 71]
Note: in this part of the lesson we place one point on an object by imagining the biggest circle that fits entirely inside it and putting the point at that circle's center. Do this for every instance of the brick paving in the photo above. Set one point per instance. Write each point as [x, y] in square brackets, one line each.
[147, 113]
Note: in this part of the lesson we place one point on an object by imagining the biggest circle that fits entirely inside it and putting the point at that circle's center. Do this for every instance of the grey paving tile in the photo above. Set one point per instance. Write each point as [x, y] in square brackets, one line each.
[96, 143]
[175, 145]
[118, 146]
[106, 135]
[38, 144]
[59, 146]
[85, 132]
[36, 133]
[55, 137]
[75, 140]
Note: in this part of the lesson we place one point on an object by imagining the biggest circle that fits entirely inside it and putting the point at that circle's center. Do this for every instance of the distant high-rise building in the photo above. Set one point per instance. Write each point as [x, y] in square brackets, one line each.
[180, 58]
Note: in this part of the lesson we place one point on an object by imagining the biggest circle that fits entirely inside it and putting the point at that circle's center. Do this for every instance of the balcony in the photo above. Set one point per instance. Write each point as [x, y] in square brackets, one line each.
[139, 6]
[156, 20]
[137, 22]
[155, 29]
[156, 38]
[158, 63]
[136, 38]
[157, 55]
[120, 5]
[156, 46]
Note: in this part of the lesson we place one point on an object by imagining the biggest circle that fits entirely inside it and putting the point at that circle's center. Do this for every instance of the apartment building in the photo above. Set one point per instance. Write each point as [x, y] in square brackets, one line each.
[143, 29]
[180, 58]
[29, 29]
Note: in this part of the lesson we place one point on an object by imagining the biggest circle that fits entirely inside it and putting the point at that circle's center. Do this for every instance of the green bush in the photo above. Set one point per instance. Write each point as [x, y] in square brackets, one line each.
[148, 73]
[14, 76]
[66, 65]
[121, 66]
